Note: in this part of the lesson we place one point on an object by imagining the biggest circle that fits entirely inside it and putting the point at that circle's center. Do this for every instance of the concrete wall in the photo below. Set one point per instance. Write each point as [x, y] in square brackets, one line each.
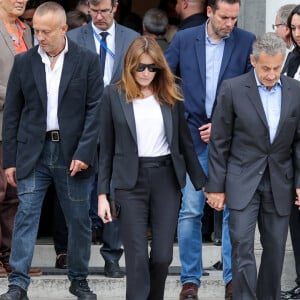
[258, 16]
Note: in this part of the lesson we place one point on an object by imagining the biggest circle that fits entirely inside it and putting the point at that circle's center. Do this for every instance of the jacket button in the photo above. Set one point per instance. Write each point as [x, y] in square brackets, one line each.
[260, 172]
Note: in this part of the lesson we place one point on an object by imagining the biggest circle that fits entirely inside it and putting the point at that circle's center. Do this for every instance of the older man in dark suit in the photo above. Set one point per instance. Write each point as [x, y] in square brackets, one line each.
[254, 166]
[104, 36]
[50, 129]
[205, 55]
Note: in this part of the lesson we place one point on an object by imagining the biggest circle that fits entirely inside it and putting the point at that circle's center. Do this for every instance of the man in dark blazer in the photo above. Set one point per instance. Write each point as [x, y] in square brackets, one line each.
[117, 42]
[50, 130]
[254, 166]
[205, 55]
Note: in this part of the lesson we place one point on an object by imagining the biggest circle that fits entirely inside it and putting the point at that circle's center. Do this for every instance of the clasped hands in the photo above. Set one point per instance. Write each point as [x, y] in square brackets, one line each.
[215, 200]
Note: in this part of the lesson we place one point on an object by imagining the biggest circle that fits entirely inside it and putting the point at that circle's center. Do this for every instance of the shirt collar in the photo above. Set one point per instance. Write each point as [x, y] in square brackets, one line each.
[260, 85]
[44, 55]
[110, 30]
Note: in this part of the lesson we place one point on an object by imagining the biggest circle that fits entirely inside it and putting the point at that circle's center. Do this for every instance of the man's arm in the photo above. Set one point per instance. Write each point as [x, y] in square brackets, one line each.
[172, 54]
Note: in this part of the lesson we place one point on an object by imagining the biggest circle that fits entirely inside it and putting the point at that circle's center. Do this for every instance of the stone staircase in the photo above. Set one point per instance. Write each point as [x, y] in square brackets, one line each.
[54, 283]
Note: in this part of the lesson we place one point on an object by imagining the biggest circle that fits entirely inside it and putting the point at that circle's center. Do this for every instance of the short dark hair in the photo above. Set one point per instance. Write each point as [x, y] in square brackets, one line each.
[76, 18]
[214, 3]
[295, 11]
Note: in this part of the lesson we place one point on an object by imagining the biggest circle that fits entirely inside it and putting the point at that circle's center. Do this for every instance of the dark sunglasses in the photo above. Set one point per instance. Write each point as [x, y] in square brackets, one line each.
[151, 68]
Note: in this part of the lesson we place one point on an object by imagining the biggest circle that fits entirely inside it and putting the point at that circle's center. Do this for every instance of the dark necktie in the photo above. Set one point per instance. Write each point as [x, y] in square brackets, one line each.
[103, 51]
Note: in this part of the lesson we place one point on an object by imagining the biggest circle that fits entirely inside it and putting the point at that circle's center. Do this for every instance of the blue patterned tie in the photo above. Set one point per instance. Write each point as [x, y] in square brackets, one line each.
[104, 35]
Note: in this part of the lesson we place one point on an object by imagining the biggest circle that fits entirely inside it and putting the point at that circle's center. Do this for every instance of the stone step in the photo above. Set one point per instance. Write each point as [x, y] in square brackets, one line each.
[54, 283]
[44, 255]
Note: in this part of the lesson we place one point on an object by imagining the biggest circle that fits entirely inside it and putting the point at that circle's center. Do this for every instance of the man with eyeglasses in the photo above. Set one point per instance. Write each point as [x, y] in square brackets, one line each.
[281, 29]
[110, 40]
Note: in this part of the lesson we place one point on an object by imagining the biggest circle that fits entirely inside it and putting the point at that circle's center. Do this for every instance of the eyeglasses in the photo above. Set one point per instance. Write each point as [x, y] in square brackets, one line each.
[274, 26]
[150, 67]
[102, 12]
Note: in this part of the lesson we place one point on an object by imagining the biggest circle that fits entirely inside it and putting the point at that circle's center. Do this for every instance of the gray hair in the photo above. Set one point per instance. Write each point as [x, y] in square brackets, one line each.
[284, 12]
[156, 21]
[269, 43]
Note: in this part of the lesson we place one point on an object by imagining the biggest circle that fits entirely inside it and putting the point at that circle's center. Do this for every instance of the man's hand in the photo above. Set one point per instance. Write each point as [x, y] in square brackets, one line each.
[10, 174]
[297, 202]
[104, 209]
[205, 132]
[77, 166]
[216, 200]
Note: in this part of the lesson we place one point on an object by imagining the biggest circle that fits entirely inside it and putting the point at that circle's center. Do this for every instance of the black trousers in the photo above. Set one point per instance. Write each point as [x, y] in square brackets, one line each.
[155, 200]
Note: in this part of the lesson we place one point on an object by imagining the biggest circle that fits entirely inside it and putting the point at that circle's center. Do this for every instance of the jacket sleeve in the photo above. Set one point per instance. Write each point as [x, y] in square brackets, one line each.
[187, 148]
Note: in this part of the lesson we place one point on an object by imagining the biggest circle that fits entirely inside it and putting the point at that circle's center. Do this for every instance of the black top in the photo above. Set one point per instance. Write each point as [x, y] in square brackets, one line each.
[192, 21]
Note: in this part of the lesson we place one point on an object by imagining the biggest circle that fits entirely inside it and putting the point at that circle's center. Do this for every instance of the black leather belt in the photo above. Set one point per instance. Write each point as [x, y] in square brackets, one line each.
[155, 162]
[53, 136]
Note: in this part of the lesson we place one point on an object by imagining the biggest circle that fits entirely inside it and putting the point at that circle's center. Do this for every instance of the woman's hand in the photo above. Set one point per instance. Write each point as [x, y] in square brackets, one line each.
[104, 209]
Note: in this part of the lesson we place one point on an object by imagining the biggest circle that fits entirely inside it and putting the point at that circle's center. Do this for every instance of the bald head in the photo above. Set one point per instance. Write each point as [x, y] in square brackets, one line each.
[52, 8]
[187, 8]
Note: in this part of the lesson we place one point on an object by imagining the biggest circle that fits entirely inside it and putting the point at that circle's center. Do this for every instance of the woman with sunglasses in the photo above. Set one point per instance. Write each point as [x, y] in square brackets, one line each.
[145, 151]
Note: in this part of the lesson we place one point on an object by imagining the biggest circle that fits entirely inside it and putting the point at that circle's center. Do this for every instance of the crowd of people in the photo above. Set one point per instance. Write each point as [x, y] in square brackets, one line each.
[138, 132]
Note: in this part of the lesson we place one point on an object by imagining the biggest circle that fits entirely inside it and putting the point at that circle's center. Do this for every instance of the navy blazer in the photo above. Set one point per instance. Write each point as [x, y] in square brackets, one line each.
[124, 36]
[25, 111]
[187, 50]
[118, 158]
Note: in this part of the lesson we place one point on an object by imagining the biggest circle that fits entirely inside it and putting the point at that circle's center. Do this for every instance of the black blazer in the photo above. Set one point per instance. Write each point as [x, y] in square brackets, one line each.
[118, 158]
[25, 111]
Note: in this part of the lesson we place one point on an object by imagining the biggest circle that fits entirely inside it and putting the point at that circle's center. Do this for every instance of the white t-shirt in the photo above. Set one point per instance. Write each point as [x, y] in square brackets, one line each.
[150, 129]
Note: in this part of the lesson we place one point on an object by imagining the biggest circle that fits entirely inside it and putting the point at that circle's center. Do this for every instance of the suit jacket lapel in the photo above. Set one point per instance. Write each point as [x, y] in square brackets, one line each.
[7, 39]
[285, 104]
[39, 74]
[200, 54]
[119, 51]
[167, 117]
[129, 115]
[70, 61]
[253, 95]
[88, 37]
[228, 48]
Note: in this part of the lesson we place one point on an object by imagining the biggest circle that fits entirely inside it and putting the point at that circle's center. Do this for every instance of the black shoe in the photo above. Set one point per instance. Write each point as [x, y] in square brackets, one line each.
[61, 261]
[291, 294]
[112, 269]
[80, 288]
[14, 293]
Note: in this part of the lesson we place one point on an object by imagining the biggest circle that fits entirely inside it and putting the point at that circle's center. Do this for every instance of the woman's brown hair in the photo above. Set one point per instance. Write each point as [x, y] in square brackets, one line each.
[163, 85]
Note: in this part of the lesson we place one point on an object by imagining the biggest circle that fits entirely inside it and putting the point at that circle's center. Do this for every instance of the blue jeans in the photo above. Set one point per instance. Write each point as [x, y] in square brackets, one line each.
[73, 194]
[226, 247]
[190, 232]
[190, 228]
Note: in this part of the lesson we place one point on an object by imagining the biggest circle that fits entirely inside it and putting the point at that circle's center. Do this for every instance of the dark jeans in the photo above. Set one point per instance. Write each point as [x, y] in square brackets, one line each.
[73, 194]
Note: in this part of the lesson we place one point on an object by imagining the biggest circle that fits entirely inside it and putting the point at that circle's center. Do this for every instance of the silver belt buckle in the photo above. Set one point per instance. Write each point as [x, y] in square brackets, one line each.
[55, 136]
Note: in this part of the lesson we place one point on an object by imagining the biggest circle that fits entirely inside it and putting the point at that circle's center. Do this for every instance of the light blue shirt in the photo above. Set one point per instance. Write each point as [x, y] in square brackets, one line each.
[214, 55]
[271, 101]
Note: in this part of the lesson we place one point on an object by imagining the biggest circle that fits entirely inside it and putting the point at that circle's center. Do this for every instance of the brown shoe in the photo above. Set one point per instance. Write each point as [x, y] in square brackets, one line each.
[189, 291]
[3, 272]
[34, 271]
[228, 291]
